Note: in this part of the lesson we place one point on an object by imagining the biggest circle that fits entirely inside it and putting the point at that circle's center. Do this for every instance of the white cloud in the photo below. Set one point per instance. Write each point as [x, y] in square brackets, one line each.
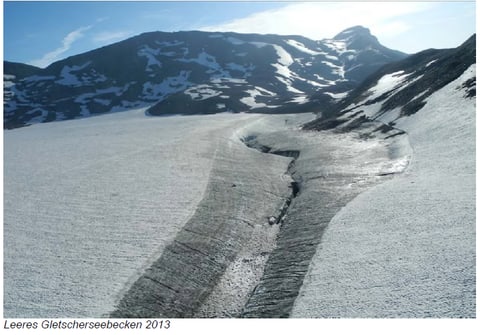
[318, 20]
[67, 42]
[107, 37]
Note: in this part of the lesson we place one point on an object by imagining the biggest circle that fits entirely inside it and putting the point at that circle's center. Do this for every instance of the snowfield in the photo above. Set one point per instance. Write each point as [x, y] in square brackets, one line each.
[127, 215]
[406, 248]
[90, 203]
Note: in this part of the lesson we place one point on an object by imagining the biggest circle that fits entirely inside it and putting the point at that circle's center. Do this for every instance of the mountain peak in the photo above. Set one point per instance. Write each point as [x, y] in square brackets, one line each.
[353, 32]
[358, 37]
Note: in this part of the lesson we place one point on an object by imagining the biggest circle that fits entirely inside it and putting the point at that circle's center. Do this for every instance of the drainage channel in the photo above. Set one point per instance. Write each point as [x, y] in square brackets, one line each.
[275, 294]
[231, 218]
[251, 142]
[331, 172]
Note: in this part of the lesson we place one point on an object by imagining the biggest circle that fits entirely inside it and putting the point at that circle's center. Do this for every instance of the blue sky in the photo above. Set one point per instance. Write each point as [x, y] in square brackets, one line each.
[40, 33]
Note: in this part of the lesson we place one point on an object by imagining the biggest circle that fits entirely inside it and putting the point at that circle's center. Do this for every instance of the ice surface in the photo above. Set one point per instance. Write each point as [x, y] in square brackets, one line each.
[406, 248]
[89, 203]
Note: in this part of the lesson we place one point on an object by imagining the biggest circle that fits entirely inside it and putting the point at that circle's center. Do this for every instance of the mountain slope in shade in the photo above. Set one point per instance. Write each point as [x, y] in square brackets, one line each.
[193, 73]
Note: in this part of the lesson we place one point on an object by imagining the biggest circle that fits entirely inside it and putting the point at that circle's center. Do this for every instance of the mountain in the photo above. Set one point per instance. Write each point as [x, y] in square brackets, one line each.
[194, 73]
[400, 89]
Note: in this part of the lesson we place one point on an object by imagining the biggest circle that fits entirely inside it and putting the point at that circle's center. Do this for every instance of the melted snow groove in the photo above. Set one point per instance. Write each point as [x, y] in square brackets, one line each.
[322, 195]
[229, 226]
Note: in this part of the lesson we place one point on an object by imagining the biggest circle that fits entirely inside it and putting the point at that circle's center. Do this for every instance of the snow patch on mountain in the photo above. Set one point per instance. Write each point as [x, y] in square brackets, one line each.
[336, 69]
[168, 86]
[337, 46]
[208, 61]
[289, 86]
[301, 47]
[251, 102]
[201, 92]
[337, 96]
[70, 79]
[301, 99]
[150, 54]
[167, 44]
[235, 41]
[387, 83]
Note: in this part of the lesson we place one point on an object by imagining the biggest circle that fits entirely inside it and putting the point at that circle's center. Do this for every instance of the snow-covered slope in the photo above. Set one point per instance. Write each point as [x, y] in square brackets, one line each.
[177, 210]
[192, 73]
[90, 204]
[406, 248]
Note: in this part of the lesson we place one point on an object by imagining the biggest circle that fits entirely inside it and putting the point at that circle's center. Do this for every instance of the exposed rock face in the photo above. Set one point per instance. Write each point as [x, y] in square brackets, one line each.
[193, 73]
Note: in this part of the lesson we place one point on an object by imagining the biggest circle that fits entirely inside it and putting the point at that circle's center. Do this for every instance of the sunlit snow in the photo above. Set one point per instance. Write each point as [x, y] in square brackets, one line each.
[301, 47]
[89, 203]
[406, 248]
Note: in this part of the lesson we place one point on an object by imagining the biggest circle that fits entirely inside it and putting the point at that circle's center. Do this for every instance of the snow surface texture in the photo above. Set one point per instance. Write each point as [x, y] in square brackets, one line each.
[330, 170]
[184, 205]
[228, 238]
[89, 204]
[406, 248]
